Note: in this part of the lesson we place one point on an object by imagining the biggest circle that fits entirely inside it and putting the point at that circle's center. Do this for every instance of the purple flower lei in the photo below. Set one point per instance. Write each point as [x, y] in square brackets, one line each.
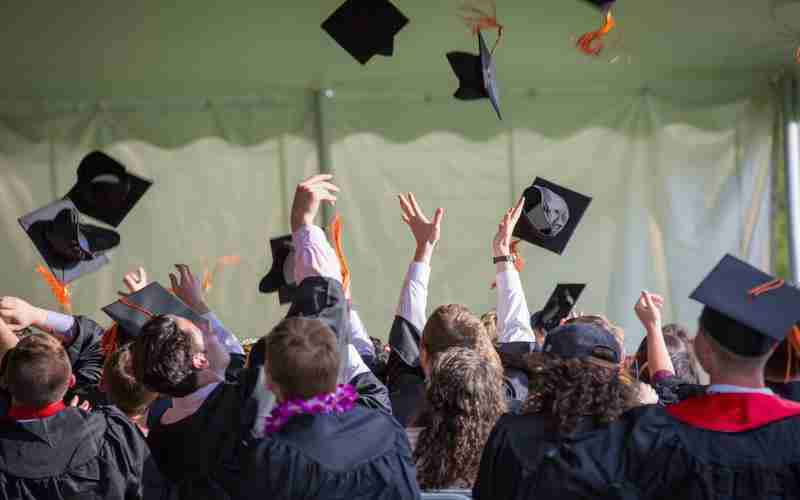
[340, 401]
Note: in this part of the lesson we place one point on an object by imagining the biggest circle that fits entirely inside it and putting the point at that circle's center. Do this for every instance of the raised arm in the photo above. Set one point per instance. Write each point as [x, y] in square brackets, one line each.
[513, 317]
[190, 290]
[648, 310]
[414, 295]
[313, 254]
[19, 315]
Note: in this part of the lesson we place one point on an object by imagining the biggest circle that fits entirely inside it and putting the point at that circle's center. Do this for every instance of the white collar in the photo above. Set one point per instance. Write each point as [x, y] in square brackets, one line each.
[737, 389]
[196, 398]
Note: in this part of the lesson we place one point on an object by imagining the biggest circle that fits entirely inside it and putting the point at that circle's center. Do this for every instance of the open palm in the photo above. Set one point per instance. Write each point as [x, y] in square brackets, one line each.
[426, 232]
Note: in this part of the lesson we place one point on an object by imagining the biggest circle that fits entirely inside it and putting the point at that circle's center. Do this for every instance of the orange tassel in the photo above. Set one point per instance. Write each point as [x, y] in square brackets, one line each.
[110, 340]
[766, 287]
[591, 43]
[208, 276]
[792, 350]
[60, 291]
[336, 234]
[482, 18]
[519, 262]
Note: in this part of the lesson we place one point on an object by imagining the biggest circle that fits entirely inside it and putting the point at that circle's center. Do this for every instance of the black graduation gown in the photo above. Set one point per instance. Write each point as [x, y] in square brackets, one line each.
[527, 458]
[360, 454]
[406, 380]
[788, 390]
[201, 453]
[77, 455]
[86, 353]
[707, 447]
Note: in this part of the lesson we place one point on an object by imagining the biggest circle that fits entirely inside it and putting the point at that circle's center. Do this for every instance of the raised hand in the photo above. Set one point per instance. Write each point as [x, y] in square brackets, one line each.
[135, 280]
[308, 196]
[501, 245]
[189, 289]
[19, 315]
[426, 232]
[648, 310]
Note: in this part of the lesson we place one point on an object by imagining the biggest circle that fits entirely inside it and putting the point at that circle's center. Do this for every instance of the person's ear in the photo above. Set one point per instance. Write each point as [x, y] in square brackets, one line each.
[200, 361]
[72, 380]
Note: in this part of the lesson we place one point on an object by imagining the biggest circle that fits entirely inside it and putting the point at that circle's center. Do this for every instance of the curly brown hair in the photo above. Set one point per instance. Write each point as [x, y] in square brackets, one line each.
[489, 321]
[466, 397]
[572, 389]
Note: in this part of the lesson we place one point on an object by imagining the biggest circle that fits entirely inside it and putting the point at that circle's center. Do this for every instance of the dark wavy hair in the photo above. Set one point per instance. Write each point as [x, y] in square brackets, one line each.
[573, 389]
[162, 358]
[465, 396]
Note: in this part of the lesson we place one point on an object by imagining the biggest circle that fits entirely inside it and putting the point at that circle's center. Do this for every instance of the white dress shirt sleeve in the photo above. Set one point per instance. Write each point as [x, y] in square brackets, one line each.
[61, 326]
[313, 255]
[513, 317]
[359, 336]
[414, 296]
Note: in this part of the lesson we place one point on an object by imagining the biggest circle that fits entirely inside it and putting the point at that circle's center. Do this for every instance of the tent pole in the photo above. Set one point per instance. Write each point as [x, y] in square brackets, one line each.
[792, 164]
[322, 142]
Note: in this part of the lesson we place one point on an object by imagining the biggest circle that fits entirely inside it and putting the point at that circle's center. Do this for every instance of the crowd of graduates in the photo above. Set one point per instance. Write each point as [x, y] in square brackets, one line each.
[167, 403]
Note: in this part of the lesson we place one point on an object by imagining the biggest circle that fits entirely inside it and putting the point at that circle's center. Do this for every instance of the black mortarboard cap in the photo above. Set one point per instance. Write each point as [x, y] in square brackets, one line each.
[550, 215]
[133, 311]
[558, 307]
[69, 248]
[477, 78]
[601, 4]
[280, 277]
[365, 27]
[746, 310]
[105, 190]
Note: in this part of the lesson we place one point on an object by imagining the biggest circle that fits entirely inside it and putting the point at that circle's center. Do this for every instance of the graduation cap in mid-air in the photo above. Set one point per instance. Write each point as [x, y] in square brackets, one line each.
[69, 247]
[133, 311]
[105, 190]
[477, 78]
[365, 27]
[558, 306]
[746, 310]
[603, 5]
[550, 215]
[280, 277]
